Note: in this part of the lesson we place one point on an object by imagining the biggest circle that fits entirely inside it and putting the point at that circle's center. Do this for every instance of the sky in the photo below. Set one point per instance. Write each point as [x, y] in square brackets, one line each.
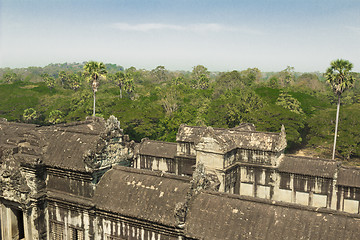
[222, 35]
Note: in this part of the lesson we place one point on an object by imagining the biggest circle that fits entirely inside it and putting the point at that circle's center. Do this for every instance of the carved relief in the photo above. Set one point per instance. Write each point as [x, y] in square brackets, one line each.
[13, 185]
[113, 147]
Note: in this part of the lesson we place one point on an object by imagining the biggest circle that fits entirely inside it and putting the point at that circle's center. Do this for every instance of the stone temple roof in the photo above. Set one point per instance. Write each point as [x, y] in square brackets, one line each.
[193, 133]
[308, 166]
[157, 148]
[69, 143]
[62, 145]
[224, 216]
[212, 215]
[349, 176]
[141, 194]
[22, 140]
[229, 139]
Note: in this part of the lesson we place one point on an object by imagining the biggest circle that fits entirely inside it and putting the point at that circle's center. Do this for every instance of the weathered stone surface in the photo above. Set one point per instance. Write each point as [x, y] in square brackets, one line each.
[64, 181]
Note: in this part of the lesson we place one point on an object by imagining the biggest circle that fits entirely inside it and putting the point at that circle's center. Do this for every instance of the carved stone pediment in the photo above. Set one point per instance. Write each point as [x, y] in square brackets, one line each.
[13, 184]
[209, 142]
[113, 147]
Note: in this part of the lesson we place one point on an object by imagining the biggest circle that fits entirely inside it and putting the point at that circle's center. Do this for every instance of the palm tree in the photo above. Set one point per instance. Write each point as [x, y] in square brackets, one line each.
[129, 83]
[338, 75]
[119, 79]
[94, 71]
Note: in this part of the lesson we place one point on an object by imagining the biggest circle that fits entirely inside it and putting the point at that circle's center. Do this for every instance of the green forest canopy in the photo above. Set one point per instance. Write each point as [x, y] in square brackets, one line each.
[160, 100]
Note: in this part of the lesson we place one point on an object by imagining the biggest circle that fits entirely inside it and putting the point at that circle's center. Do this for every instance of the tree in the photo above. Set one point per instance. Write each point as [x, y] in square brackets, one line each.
[129, 83]
[64, 77]
[94, 71]
[119, 80]
[233, 107]
[160, 73]
[286, 101]
[198, 71]
[286, 76]
[49, 80]
[56, 116]
[251, 76]
[70, 80]
[169, 102]
[340, 78]
[11, 77]
[30, 114]
[228, 81]
[309, 81]
[200, 77]
[177, 81]
[203, 82]
[74, 81]
[273, 82]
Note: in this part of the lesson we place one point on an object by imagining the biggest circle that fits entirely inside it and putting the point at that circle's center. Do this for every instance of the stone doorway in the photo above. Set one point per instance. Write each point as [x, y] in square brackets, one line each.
[17, 224]
[12, 223]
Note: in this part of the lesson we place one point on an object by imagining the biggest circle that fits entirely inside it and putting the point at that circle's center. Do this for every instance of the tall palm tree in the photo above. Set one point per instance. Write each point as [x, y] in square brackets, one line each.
[119, 79]
[340, 78]
[129, 83]
[94, 71]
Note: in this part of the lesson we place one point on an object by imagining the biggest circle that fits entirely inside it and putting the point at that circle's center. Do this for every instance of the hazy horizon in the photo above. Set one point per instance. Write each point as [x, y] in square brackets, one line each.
[221, 35]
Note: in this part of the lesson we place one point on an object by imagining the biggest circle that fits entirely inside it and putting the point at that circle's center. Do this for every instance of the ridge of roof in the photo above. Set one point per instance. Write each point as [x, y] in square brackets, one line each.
[151, 173]
[282, 204]
[20, 124]
[157, 141]
[357, 168]
[70, 124]
[312, 158]
[230, 129]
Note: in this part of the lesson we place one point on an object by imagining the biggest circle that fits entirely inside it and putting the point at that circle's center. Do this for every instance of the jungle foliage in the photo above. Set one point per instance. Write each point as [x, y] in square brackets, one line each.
[154, 103]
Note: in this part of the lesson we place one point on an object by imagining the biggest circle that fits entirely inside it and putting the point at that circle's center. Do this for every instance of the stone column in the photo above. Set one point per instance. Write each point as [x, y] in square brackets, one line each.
[2, 221]
[293, 193]
[27, 228]
[6, 220]
[333, 193]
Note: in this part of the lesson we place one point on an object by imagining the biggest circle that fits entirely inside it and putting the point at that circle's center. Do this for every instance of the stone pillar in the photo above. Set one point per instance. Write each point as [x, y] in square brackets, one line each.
[47, 220]
[275, 185]
[86, 221]
[177, 166]
[333, 194]
[341, 205]
[2, 221]
[6, 222]
[293, 193]
[27, 228]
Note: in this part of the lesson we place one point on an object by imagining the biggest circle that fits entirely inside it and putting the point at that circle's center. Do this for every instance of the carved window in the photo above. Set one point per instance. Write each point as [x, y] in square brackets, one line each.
[285, 181]
[231, 178]
[187, 148]
[56, 230]
[146, 162]
[300, 182]
[142, 162]
[323, 185]
[186, 166]
[170, 165]
[76, 233]
[258, 157]
[350, 192]
[311, 183]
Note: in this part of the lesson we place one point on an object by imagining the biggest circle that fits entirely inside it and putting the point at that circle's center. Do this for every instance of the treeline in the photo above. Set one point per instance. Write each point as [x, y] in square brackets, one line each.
[153, 103]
